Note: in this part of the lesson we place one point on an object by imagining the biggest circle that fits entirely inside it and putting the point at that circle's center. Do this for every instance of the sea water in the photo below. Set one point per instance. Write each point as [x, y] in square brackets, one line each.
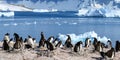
[77, 28]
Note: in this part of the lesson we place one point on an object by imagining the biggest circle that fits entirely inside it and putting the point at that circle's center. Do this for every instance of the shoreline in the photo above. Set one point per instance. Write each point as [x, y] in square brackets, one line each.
[57, 54]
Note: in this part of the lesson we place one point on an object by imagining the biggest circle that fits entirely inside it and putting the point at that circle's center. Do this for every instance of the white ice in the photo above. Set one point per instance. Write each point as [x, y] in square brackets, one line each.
[81, 37]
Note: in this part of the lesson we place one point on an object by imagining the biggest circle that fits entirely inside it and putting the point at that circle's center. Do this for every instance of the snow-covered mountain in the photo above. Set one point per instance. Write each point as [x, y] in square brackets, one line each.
[10, 7]
[97, 9]
[105, 8]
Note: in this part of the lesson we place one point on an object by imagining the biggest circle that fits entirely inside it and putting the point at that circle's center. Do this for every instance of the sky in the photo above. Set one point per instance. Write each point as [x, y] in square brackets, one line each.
[68, 5]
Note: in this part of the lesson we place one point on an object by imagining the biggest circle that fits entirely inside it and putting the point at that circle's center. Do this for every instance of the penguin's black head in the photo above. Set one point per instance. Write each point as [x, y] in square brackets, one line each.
[34, 38]
[29, 36]
[52, 37]
[16, 35]
[68, 35]
[7, 34]
[95, 39]
[109, 41]
[87, 38]
[112, 49]
[117, 42]
[42, 33]
[11, 39]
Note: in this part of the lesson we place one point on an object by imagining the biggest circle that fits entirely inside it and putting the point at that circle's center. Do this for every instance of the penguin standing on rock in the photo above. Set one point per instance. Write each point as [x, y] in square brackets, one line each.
[68, 43]
[50, 39]
[7, 37]
[87, 42]
[109, 44]
[49, 45]
[30, 42]
[78, 46]
[95, 43]
[55, 42]
[42, 40]
[11, 43]
[59, 44]
[110, 54]
[117, 46]
[17, 44]
[5, 45]
[99, 47]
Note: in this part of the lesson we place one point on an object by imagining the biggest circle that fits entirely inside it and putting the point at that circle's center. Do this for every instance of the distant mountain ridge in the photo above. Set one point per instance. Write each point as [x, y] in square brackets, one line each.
[10, 7]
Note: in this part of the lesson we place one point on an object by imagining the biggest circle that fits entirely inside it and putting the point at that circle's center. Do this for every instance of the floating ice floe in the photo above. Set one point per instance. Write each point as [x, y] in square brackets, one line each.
[6, 14]
[44, 10]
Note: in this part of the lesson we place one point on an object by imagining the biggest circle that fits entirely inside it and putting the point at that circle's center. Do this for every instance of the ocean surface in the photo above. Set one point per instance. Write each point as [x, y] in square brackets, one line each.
[60, 25]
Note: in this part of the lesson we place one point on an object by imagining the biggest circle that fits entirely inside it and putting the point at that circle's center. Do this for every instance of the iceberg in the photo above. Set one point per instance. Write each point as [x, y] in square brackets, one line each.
[96, 9]
[44, 10]
[82, 12]
[113, 13]
[6, 14]
[81, 37]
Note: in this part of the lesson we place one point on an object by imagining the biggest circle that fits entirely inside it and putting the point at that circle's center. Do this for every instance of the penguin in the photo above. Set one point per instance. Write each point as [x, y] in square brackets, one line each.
[55, 42]
[68, 43]
[34, 40]
[110, 54]
[30, 41]
[50, 39]
[109, 44]
[42, 40]
[59, 44]
[78, 46]
[95, 43]
[10, 44]
[5, 45]
[87, 42]
[25, 41]
[7, 37]
[117, 46]
[17, 44]
[99, 47]
[49, 45]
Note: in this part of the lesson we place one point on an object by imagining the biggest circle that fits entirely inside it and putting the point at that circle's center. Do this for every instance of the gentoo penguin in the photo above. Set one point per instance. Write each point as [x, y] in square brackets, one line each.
[59, 44]
[78, 46]
[5, 45]
[87, 42]
[99, 47]
[17, 44]
[50, 39]
[7, 37]
[117, 46]
[42, 40]
[68, 43]
[110, 54]
[49, 45]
